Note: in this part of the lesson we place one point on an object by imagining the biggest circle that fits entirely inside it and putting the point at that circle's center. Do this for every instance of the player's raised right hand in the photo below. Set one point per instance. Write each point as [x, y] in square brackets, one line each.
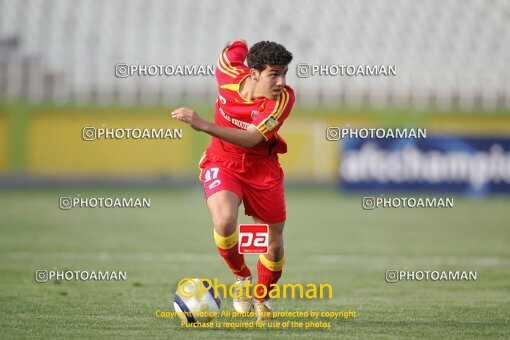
[189, 116]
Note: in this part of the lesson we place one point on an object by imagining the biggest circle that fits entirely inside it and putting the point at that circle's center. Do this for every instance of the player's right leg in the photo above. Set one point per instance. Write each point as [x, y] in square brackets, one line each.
[224, 207]
[224, 194]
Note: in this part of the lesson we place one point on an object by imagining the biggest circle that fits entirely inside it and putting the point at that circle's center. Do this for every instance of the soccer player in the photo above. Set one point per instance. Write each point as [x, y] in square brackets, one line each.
[241, 163]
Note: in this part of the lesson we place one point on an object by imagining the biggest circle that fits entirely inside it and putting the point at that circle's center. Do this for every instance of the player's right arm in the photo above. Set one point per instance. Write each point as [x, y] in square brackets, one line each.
[244, 138]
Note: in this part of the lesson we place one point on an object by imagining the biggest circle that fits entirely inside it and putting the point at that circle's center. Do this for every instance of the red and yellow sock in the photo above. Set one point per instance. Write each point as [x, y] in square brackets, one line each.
[269, 273]
[227, 246]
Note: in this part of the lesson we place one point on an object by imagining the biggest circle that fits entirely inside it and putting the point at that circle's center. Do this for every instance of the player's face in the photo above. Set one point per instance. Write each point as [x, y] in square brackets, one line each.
[272, 81]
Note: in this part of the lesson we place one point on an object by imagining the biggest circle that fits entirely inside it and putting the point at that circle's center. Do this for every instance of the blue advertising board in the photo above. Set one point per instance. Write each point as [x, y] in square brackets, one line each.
[459, 164]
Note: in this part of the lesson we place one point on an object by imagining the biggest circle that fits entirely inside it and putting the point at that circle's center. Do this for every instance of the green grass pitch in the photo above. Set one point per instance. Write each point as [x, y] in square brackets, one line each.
[328, 239]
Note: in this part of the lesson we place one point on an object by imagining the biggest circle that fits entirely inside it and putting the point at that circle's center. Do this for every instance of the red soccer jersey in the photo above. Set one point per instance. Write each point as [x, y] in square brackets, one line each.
[232, 110]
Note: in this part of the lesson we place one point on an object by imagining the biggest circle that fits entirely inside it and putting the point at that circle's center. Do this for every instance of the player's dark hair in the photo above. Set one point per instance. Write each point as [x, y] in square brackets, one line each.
[266, 53]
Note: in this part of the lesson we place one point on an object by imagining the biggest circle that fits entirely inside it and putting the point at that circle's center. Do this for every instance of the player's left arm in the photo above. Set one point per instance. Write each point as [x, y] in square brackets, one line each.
[268, 123]
[244, 138]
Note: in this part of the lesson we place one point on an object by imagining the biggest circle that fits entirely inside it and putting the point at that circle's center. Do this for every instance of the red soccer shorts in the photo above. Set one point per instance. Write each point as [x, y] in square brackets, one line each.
[256, 180]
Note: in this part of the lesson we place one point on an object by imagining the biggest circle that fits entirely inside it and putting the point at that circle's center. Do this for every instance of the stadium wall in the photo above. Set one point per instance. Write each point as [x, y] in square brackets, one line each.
[46, 141]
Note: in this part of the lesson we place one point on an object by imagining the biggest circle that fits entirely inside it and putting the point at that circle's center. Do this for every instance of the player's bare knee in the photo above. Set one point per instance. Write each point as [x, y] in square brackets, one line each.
[225, 224]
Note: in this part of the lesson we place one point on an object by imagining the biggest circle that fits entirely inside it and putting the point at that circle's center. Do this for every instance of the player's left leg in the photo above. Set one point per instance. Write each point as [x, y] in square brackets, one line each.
[269, 268]
[270, 265]
[264, 200]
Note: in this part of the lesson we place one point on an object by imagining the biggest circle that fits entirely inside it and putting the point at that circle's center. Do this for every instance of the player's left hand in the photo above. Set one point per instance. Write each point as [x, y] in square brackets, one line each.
[190, 117]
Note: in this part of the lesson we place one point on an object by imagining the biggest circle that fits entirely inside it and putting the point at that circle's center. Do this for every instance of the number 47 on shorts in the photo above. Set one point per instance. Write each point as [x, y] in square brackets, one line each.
[212, 174]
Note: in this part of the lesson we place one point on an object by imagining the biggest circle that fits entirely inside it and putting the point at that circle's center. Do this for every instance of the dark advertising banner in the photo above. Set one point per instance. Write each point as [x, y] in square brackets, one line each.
[469, 165]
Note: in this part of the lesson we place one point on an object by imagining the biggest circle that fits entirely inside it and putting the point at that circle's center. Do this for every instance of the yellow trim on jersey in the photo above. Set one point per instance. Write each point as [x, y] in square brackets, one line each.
[279, 107]
[226, 242]
[232, 87]
[227, 69]
[235, 87]
[262, 133]
[284, 105]
[229, 64]
[277, 111]
[223, 70]
[272, 266]
[239, 93]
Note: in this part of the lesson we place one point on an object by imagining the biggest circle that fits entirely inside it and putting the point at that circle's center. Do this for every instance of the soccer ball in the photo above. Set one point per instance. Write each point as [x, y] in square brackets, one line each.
[194, 301]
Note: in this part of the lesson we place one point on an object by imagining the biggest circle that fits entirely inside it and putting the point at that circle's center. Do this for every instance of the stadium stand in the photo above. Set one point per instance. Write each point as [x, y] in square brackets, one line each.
[49, 49]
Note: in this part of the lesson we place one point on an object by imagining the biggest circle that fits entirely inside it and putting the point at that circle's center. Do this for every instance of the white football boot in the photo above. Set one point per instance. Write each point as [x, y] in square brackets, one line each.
[243, 304]
[263, 310]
